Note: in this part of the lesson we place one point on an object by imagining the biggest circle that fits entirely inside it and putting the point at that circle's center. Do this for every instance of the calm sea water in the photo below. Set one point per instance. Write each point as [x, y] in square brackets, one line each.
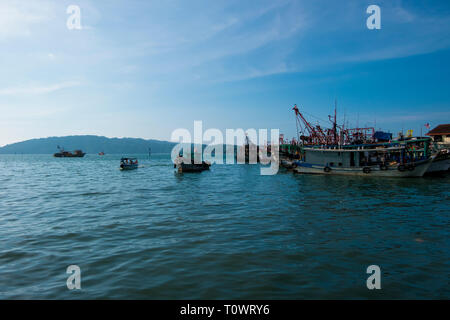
[225, 234]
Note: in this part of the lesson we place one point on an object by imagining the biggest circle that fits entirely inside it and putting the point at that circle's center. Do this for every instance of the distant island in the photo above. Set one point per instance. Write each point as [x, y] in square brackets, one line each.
[88, 143]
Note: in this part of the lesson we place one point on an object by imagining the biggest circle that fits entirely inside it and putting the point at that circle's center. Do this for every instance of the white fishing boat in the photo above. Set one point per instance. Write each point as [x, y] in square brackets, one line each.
[356, 151]
[381, 162]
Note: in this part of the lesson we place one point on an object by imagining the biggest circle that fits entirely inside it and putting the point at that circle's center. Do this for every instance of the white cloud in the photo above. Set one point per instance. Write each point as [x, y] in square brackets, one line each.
[32, 90]
[18, 18]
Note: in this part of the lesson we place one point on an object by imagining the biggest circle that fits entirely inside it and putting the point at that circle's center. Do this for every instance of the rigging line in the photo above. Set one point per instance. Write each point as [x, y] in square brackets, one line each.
[317, 118]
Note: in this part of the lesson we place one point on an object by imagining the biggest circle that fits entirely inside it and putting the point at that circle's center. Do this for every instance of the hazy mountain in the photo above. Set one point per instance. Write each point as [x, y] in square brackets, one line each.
[89, 144]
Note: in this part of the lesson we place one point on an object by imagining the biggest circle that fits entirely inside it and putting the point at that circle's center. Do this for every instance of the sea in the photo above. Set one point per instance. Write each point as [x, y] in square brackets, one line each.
[227, 233]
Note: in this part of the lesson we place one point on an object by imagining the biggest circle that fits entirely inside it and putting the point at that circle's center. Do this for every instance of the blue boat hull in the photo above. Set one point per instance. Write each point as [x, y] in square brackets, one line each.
[128, 166]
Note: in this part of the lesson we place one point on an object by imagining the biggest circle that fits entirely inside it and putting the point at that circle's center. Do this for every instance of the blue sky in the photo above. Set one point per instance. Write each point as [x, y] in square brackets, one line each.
[145, 68]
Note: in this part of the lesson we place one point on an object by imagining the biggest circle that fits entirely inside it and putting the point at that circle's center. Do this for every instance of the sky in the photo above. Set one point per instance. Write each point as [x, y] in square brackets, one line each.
[145, 68]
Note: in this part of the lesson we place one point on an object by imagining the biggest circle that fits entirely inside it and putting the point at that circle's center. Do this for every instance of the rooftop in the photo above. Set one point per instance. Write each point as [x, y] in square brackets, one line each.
[440, 129]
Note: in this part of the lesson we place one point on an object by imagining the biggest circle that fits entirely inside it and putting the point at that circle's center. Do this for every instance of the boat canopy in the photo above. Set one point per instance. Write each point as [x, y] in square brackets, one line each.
[382, 136]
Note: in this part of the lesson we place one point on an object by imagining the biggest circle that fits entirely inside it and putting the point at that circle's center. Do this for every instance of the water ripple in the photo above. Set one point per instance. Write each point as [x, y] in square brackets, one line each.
[229, 233]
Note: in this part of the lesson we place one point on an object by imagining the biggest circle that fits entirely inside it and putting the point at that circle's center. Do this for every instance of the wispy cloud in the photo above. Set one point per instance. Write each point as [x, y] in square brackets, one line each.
[37, 89]
[147, 54]
[18, 18]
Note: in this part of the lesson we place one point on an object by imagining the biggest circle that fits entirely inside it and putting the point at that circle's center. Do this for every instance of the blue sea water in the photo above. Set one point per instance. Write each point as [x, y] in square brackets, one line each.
[229, 233]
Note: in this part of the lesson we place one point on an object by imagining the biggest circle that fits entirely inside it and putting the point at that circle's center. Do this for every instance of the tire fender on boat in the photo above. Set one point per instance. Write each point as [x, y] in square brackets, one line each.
[366, 170]
[401, 168]
[327, 169]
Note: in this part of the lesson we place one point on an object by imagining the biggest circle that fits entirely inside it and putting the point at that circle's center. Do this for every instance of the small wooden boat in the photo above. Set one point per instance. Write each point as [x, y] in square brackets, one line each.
[128, 163]
[183, 165]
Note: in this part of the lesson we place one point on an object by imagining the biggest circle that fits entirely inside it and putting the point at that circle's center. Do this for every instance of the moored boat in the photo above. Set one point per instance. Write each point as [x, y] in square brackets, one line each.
[441, 141]
[382, 161]
[356, 151]
[183, 165]
[441, 163]
[67, 154]
[287, 163]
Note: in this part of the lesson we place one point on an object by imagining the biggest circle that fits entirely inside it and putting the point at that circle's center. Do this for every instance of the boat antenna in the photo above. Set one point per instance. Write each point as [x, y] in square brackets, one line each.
[334, 122]
[297, 127]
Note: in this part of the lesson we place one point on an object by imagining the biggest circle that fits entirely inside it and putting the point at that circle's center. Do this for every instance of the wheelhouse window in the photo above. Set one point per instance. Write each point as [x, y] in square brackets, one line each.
[438, 138]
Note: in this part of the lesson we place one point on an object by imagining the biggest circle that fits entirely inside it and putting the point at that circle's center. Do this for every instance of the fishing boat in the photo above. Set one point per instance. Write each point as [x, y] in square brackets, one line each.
[67, 154]
[101, 153]
[441, 143]
[184, 165]
[441, 163]
[128, 163]
[357, 151]
[390, 160]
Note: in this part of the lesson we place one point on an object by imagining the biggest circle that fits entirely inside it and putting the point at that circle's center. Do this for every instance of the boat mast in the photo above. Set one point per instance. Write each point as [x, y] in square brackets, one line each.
[316, 134]
[334, 122]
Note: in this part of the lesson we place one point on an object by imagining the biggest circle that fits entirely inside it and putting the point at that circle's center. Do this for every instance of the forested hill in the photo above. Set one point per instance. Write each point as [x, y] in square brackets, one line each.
[89, 144]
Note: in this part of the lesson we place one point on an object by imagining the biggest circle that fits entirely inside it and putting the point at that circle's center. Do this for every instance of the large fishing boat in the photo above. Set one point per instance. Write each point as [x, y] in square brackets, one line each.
[67, 154]
[356, 151]
[398, 159]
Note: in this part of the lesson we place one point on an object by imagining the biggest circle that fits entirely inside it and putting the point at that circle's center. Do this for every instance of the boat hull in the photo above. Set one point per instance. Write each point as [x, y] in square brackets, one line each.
[128, 167]
[60, 155]
[440, 164]
[288, 164]
[191, 168]
[418, 170]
